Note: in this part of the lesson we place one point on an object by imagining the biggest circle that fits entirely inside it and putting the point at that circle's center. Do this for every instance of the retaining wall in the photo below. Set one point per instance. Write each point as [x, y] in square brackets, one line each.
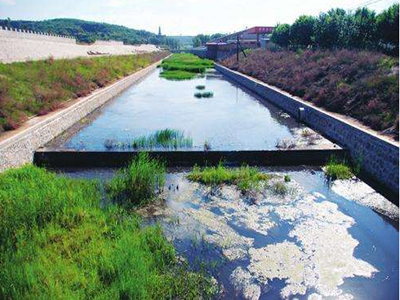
[379, 158]
[19, 149]
[33, 35]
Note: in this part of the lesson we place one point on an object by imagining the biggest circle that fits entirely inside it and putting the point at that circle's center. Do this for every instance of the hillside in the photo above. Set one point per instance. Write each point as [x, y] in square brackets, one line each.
[88, 32]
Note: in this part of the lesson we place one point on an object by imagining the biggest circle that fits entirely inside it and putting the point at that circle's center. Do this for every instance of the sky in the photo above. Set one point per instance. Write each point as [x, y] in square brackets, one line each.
[180, 17]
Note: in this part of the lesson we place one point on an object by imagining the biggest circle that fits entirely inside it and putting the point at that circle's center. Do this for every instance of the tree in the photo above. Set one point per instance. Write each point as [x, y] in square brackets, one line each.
[330, 29]
[360, 29]
[302, 32]
[388, 28]
[281, 35]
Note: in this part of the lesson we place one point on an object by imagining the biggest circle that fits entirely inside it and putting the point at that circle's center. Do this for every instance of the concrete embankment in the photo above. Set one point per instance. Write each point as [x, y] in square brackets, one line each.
[16, 46]
[18, 149]
[379, 158]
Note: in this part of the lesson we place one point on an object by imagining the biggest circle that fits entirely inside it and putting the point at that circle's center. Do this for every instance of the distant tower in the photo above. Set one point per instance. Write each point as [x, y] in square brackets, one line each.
[159, 31]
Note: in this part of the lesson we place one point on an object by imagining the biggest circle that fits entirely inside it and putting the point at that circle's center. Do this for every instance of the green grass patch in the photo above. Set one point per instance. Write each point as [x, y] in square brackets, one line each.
[38, 87]
[338, 170]
[58, 243]
[160, 139]
[245, 177]
[204, 95]
[137, 184]
[184, 66]
[279, 188]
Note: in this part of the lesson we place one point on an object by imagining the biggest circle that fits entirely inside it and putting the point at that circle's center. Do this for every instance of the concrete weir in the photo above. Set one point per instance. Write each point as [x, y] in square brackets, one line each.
[113, 159]
[379, 158]
[19, 148]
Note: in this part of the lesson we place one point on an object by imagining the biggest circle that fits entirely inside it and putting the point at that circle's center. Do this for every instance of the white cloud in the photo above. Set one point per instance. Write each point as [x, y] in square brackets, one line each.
[8, 2]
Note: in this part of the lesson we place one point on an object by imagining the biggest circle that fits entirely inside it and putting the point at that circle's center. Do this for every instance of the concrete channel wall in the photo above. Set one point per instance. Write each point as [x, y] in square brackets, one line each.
[379, 158]
[19, 149]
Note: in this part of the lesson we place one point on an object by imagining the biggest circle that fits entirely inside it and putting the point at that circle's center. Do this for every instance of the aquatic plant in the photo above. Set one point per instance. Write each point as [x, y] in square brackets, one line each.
[184, 66]
[204, 95]
[244, 177]
[166, 138]
[337, 170]
[57, 242]
[279, 188]
[287, 178]
[161, 139]
[207, 146]
[137, 184]
[200, 87]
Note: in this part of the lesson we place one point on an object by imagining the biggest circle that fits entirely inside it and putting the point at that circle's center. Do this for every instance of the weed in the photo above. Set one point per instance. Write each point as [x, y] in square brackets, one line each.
[184, 66]
[245, 177]
[287, 178]
[207, 146]
[58, 243]
[137, 184]
[200, 87]
[337, 170]
[204, 95]
[279, 188]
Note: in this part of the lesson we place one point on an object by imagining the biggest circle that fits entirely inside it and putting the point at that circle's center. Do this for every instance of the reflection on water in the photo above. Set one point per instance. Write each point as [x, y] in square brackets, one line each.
[232, 120]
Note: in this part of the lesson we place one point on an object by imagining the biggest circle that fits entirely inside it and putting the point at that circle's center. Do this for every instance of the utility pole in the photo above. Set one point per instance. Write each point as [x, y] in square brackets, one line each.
[237, 48]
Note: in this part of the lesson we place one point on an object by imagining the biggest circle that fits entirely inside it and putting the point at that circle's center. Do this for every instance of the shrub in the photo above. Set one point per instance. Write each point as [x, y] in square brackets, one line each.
[360, 84]
[137, 184]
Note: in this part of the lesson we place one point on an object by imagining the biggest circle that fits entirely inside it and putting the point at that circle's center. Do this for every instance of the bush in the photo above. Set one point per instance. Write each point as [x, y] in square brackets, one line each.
[137, 184]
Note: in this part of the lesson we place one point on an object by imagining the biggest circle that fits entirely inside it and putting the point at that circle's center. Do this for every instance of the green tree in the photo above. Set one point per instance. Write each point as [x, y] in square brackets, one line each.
[388, 28]
[281, 35]
[302, 32]
[330, 29]
[360, 29]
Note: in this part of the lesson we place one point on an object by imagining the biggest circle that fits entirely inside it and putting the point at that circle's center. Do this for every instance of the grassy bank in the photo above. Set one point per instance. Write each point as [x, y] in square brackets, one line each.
[38, 87]
[57, 242]
[360, 84]
[184, 66]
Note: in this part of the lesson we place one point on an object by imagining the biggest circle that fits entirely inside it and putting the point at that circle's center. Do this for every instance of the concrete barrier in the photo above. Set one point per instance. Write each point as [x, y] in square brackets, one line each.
[18, 149]
[116, 159]
[379, 158]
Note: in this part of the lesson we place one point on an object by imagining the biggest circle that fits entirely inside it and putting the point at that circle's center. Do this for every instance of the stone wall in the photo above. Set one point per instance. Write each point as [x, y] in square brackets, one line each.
[379, 157]
[19, 149]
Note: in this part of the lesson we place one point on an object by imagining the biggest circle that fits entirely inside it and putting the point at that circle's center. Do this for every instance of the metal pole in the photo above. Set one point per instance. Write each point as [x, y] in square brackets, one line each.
[237, 48]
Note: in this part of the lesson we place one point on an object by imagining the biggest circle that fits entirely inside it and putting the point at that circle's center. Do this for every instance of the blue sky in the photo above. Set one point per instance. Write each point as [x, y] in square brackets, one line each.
[186, 17]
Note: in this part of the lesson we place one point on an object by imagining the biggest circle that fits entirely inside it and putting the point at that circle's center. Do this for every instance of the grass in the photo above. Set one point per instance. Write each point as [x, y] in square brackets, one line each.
[58, 243]
[137, 184]
[204, 95]
[184, 66]
[338, 170]
[39, 87]
[160, 139]
[245, 177]
[279, 188]
[200, 87]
